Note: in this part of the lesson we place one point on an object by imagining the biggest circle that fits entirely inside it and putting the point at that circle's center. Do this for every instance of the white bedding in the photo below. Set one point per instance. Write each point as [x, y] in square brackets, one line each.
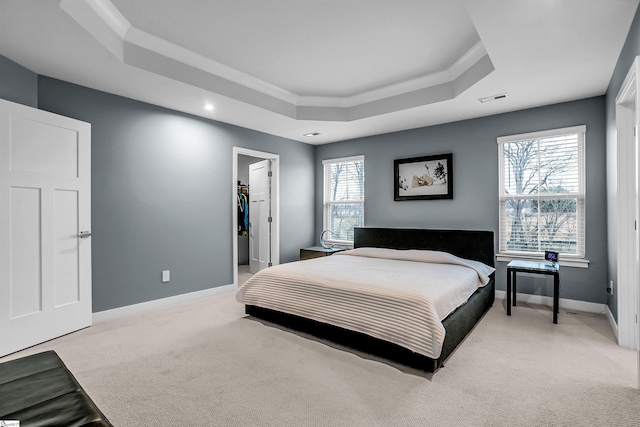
[400, 296]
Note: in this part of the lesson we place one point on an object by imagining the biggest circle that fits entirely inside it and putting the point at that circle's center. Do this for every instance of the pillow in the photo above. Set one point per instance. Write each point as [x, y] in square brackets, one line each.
[416, 255]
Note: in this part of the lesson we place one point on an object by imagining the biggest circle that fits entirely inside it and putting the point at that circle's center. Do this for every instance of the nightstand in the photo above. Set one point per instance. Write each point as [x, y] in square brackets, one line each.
[317, 252]
[535, 267]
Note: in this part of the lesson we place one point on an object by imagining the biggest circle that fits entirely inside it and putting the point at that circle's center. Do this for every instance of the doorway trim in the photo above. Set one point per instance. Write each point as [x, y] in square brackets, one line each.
[275, 205]
[627, 205]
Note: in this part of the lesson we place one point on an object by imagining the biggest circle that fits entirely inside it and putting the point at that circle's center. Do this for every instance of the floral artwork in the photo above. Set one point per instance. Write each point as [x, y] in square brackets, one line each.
[424, 178]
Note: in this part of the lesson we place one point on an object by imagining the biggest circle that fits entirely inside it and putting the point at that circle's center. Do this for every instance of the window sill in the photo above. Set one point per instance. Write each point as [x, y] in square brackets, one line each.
[564, 262]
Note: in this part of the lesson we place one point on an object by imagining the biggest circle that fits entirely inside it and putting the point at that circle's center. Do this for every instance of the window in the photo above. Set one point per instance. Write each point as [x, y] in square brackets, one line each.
[343, 198]
[542, 192]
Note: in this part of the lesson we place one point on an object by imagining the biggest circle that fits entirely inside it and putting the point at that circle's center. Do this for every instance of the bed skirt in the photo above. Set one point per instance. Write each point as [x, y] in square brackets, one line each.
[458, 324]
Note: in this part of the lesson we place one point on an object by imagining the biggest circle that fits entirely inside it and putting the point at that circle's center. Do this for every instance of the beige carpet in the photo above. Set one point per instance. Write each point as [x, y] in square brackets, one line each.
[243, 274]
[201, 363]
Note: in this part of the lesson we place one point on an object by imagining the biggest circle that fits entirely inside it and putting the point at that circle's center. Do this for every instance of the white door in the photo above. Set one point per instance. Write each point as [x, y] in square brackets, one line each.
[45, 203]
[259, 216]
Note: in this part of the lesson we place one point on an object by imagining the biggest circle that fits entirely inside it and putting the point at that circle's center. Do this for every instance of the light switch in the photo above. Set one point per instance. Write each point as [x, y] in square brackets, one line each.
[166, 276]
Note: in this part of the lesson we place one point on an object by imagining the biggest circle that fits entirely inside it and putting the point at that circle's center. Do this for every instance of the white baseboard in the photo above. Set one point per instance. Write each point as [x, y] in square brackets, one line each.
[128, 310]
[613, 324]
[568, 304]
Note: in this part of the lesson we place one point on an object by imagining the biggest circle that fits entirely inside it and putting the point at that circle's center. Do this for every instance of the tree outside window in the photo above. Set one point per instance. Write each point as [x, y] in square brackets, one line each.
[542, 192]
[344, 197]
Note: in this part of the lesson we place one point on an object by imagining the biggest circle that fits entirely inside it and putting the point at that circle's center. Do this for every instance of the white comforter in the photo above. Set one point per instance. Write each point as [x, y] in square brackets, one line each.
[400, 296]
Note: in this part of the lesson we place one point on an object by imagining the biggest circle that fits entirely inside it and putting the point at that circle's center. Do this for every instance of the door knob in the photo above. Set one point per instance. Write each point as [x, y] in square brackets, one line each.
[84, 234]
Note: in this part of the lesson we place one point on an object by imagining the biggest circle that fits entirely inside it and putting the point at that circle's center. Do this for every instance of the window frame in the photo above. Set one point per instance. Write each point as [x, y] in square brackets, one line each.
[572, 260]
[327, 203]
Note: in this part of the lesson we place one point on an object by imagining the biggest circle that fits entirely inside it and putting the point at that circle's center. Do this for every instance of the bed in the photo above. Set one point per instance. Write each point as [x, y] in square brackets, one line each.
[380, 297]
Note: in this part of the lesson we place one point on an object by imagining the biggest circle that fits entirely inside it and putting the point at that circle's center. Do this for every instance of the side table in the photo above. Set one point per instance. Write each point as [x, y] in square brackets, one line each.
[535, 267]
[317, 252]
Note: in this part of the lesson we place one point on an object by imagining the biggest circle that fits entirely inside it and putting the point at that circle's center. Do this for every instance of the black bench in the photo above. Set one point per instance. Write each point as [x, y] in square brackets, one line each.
[39, 390]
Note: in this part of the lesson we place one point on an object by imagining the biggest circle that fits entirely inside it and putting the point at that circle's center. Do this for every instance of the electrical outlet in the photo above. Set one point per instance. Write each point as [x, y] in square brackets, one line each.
[166, 276]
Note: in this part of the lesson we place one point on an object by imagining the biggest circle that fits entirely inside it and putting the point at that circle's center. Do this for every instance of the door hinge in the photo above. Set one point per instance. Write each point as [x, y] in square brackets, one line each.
[270, 265]
[270, 219]
[269, 174]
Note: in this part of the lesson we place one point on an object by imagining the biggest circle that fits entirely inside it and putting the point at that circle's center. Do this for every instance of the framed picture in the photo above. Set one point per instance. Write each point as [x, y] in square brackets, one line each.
[424, 178]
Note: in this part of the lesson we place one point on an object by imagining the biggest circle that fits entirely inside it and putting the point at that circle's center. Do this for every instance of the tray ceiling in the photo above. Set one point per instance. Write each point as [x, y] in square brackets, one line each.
[343, 69]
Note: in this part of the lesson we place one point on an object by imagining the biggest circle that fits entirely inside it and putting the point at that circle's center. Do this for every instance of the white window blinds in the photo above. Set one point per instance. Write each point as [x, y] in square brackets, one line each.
[542, 192]
[343, 197]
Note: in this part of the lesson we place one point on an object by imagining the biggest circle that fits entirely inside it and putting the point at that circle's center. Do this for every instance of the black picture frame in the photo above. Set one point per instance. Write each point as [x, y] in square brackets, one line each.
[423, 178]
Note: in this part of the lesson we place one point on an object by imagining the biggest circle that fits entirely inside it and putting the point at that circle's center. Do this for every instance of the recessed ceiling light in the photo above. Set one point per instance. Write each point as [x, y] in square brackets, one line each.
[312, 134]
[493, 98]
[208, 107]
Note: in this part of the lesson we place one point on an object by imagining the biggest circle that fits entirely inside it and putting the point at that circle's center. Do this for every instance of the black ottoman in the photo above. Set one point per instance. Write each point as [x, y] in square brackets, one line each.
[39, 390]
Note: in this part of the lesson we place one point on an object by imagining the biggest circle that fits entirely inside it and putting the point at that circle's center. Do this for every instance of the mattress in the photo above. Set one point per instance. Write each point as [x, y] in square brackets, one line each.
[400, 296]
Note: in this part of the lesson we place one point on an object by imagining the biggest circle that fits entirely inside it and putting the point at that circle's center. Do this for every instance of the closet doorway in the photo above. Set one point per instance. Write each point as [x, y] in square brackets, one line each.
[255, 212]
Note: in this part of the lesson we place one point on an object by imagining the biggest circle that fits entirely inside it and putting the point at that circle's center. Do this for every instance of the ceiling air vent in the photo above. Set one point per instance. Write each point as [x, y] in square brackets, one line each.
[493, 98]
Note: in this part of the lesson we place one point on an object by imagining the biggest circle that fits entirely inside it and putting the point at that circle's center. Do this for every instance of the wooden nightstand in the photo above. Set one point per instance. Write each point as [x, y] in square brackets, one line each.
[317, 252]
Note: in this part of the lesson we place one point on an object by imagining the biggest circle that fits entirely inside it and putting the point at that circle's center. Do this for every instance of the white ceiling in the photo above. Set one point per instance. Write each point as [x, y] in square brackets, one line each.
[342, 68]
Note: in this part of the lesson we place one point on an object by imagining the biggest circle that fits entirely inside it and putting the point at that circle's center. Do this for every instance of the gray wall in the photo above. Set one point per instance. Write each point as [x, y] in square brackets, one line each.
[162, 194]
[18, 84]
[630, 50]
[475, 203]
[160, 180]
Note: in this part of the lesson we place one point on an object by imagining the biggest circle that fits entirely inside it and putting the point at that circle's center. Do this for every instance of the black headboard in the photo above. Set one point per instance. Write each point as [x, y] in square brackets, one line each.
[470, 244]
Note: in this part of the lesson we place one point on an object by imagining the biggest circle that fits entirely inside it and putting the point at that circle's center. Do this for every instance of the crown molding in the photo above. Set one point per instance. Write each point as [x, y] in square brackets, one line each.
[145, 51]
